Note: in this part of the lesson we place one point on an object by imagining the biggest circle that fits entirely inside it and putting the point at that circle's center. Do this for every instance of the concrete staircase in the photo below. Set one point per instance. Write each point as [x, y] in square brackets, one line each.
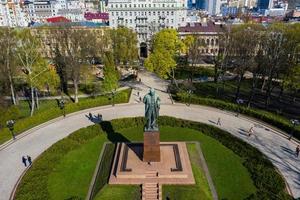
[151, 191]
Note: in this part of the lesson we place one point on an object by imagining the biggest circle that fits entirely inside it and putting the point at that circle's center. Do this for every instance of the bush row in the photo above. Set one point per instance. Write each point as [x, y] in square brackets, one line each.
[51, 113]
[34, 184]
[273, 119]
[103, 171]
[269, 183]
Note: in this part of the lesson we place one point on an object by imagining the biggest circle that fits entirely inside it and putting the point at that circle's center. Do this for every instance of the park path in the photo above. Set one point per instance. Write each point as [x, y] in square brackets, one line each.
[274, 145]
[35, 141]
[148, 80]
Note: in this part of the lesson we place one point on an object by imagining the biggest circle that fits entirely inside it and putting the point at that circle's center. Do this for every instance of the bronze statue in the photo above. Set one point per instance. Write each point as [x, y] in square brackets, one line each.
[152, 105]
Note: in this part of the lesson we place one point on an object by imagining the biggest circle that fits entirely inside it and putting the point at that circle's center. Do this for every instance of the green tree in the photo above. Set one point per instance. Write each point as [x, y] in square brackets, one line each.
[124, 45]
[242, 49]
[7, 56]
[166, 47]
[292, 80]
[111, 75]
[31, 62]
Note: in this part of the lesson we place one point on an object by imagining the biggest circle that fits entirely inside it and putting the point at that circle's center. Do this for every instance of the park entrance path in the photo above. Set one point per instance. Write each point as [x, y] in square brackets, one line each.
[148, 80]
[274, 145]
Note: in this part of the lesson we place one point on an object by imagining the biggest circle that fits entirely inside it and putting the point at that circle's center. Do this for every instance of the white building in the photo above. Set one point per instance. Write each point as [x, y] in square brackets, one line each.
[214, 6]
[147, 16]
[12, 15]
[40, 10]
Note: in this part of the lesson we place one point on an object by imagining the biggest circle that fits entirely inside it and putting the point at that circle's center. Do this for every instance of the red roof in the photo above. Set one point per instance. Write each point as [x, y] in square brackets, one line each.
[97, 15]
[202, 27]
[58, 19]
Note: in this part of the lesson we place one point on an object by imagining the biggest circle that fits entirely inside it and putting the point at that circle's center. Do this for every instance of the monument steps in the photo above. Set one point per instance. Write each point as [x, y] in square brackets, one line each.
[151, 191]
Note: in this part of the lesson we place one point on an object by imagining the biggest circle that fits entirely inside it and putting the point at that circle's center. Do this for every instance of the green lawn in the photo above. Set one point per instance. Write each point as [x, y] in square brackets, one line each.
[67, 167]
[199, 191]
[72, 175]
[226, 168]
[119, 192]
[50, 110]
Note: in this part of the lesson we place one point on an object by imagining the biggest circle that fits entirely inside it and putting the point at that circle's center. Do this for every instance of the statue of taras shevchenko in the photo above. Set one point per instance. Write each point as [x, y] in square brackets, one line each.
[152, 105]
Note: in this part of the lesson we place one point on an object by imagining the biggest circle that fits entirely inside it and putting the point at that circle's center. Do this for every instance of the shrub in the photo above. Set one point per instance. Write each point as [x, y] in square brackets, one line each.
[269, 183]
[53, 112]
[273, 119]
[12, 112]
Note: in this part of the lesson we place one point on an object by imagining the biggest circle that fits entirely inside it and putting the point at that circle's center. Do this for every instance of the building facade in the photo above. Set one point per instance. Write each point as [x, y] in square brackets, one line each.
[207, 32]
[147, 17]
[12, 15]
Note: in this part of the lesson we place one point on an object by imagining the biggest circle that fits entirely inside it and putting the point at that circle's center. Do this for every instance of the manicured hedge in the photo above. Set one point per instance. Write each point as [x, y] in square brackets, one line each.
[34, 183]
[103, 173]
[269, 183]
[273, 119]
[51, 113]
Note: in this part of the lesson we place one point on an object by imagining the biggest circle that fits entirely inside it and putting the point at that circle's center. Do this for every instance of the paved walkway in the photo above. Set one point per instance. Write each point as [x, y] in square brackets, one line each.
[35, 141]
[149, 80]
[275, 146]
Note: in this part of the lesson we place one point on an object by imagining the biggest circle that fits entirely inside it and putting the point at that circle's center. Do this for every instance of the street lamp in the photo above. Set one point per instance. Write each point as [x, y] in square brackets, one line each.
[113, 93]
[62, 107]
[190, 92]
[10, 125]
[295, 123]
[239, 102]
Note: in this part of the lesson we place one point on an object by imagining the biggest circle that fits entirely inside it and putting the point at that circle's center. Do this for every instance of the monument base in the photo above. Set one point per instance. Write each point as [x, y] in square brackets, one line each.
[174, 166]
[151, 149]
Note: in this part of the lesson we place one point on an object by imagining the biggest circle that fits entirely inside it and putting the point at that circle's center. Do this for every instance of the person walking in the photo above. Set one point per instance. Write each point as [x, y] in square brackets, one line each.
[99, 117]
[138, 94]
[250, 132]
[24, 161]
[219, 121]
[297, 150]
[29, 160]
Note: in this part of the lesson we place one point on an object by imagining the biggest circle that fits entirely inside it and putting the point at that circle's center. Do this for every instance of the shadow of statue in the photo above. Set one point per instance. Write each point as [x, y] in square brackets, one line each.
[115, 137]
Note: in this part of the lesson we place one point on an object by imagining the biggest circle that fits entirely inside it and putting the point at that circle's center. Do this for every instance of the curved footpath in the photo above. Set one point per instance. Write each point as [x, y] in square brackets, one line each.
[274, 145]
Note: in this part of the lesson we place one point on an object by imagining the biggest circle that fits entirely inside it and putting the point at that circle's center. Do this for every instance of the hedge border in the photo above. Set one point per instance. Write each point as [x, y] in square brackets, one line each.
[277, 121]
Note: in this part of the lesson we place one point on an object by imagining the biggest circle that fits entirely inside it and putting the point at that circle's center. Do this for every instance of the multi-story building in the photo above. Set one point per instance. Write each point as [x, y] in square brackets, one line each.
[46, 34]
[214, 6]
[147, 16]
[207, 32]
[11, 14]
[40, 10]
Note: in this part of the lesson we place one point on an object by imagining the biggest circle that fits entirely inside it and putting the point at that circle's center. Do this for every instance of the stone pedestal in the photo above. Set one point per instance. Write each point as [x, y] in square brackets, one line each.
[151, 149]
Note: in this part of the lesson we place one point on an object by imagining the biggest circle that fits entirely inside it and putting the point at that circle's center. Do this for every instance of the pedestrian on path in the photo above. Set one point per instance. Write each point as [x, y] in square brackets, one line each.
[250, 132]
[297, 151]
[140, 99]
[24, 161]
[99, 117]
[138, 94]
[219, 121]
[29, 160]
